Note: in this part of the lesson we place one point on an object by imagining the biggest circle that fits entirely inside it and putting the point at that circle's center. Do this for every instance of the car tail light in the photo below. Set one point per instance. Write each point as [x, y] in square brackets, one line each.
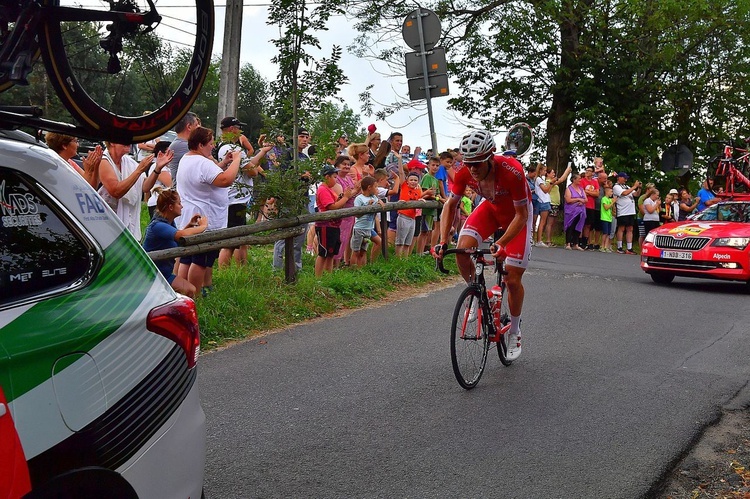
[178, 321]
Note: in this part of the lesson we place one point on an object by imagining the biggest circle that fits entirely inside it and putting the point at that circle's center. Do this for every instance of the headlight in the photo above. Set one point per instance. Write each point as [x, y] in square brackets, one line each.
[650, 237]
[733, 242]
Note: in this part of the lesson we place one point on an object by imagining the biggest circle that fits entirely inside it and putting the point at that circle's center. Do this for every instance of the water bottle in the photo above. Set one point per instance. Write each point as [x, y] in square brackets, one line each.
[496, 298]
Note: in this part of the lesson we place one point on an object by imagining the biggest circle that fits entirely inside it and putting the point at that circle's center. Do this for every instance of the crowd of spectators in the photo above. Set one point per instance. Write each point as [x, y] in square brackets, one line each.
[215, 180]
[601, 207]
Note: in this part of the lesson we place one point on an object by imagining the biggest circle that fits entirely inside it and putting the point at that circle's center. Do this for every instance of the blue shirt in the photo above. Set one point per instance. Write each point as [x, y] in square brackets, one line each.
[442, 175]
[160, 235]
[704, 195]
[366, 221]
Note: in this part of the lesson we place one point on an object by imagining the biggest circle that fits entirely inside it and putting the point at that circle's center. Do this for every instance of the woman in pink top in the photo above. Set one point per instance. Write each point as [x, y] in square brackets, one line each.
[575, 212]
[343, 164]
[360, 155]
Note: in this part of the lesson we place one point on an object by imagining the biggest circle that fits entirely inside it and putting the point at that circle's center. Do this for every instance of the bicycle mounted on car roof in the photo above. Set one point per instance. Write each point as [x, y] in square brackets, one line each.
[732, 170]
[124, 45]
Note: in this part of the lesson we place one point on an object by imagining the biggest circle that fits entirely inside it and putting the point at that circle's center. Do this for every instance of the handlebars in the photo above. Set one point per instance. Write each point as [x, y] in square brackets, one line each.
[464, 251]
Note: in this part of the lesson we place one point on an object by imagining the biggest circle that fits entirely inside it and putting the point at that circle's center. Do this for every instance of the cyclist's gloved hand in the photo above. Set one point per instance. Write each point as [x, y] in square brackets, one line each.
[438, 250]
[498, 251]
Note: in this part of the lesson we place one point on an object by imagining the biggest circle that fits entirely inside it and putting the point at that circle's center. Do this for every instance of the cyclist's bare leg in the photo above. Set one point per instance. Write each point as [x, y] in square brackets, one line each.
[465, 265]
[515, 289]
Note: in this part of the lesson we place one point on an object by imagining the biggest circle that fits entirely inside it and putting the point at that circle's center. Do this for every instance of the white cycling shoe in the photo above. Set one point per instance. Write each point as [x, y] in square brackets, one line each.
[513, 343]
[473, 310]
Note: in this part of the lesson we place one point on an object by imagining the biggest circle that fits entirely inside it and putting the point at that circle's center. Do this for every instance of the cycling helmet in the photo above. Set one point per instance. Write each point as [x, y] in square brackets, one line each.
[477, 146]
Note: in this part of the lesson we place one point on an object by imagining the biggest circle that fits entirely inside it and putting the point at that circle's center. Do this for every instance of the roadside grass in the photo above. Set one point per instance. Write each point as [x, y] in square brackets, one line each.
[249, 299]
[253, 298]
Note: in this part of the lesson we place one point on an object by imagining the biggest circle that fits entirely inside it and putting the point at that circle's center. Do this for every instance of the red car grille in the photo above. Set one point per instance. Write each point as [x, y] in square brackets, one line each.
[688, 243]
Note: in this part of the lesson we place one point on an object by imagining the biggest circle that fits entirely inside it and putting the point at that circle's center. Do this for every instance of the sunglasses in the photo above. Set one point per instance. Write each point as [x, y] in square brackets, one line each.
[473, 165]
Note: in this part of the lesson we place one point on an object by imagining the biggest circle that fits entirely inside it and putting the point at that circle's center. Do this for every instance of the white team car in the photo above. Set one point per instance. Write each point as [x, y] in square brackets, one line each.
[97, 353]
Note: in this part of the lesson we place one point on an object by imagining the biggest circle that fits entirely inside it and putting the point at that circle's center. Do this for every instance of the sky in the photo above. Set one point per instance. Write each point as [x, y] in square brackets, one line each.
[257, 49]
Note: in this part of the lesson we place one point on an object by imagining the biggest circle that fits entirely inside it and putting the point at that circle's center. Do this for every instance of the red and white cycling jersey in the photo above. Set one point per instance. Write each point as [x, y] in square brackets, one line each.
[499, 208]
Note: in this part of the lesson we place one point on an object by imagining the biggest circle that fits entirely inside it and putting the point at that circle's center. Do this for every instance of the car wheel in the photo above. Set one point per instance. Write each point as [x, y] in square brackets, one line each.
[662, 278]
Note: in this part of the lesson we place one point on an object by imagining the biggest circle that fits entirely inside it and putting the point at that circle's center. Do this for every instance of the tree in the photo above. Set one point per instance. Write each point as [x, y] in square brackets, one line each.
[624, 77]
[328, 123]
[252, 101]
[303, 82]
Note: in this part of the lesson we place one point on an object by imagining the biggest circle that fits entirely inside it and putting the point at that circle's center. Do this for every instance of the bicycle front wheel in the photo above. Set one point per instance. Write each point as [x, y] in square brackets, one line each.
[126, 77]
[502, 344]
[469, 338]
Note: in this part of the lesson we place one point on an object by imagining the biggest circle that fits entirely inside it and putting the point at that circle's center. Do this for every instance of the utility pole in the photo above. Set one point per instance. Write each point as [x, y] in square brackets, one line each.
[229, 75]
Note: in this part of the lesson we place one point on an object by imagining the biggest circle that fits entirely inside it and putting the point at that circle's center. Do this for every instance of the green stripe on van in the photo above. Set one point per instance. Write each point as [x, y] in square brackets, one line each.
[77, 321]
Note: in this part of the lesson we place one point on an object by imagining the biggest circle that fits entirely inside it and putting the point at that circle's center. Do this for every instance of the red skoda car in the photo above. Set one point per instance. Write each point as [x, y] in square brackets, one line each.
[713, 244]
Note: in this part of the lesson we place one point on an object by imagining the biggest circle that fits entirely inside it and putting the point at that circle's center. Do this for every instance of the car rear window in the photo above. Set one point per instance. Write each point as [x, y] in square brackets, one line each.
[41, 249]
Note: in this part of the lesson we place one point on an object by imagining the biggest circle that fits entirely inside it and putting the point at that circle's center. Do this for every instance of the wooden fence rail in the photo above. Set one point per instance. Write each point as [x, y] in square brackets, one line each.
[282, 228]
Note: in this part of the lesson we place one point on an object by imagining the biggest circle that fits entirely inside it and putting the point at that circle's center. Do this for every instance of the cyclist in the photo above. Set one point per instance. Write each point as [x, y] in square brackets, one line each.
[501, 181]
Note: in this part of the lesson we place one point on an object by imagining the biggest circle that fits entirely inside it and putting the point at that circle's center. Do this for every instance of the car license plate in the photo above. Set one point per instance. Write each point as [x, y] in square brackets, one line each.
[677, 255]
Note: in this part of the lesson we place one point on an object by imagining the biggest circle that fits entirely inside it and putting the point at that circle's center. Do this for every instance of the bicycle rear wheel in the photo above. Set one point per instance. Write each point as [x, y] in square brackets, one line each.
[161, 70]
[469, 338]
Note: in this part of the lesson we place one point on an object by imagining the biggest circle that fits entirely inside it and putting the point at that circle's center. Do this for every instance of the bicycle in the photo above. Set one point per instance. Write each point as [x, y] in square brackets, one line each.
[473, 332]
[126, 46]
[731, 166]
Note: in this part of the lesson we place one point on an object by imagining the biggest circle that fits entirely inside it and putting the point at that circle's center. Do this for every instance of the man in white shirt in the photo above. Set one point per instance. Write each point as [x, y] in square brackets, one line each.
[625, 206]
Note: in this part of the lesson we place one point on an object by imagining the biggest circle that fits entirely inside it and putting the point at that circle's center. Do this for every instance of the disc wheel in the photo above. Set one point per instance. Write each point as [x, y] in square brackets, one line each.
[469, 338]
[127, 81]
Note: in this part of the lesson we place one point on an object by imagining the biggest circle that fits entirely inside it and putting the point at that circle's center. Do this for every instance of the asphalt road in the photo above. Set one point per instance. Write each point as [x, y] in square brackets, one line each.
[618, 377]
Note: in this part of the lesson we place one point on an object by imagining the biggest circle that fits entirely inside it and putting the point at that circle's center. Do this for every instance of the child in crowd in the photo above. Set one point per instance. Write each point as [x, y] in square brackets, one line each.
[606, 219]
[364, 225]
[405, 222]
[445, 174]
[431, 188]
[466, 206]
[329, 231]
[385, 189]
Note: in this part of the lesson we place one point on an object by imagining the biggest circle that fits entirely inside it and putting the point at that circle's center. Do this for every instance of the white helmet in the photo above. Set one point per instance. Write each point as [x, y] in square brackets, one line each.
[477, 145]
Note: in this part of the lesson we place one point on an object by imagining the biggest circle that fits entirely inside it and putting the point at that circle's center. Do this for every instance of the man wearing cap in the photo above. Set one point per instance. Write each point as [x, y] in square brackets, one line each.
[232, 127]
[240, 193]
[342, 143]
[328, 231]
[625, 206]
[303, 140]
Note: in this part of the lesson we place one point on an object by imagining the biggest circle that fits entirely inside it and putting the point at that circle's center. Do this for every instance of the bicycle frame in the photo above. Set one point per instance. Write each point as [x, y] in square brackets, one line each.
[478, 257]
[726, 167]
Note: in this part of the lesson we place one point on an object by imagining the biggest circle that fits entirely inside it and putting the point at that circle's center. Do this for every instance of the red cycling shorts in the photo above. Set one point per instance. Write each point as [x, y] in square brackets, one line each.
[486, 218]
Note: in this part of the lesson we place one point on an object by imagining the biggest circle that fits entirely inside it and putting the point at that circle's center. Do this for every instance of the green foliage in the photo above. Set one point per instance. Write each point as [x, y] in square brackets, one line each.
[252, 101]
[303, 82]
[328, 123]
[206, 105]
[621, 79]
[287, 187]
[152, 68]
[253, 298]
